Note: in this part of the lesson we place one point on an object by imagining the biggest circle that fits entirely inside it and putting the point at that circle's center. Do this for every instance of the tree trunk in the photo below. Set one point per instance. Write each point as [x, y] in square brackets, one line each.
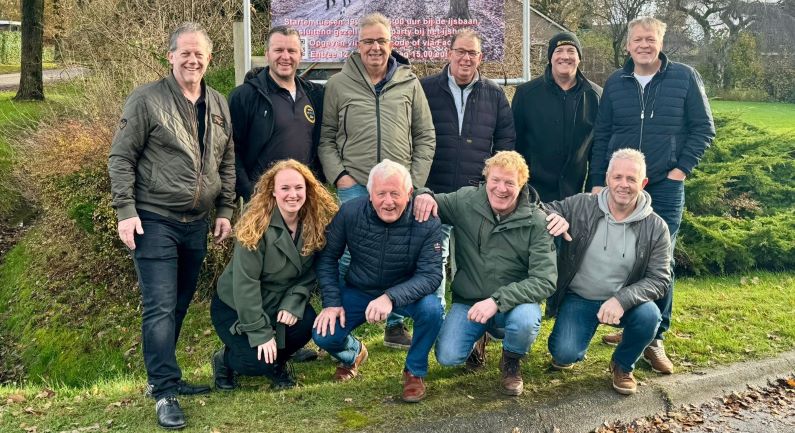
[31, 84]
[459, 9]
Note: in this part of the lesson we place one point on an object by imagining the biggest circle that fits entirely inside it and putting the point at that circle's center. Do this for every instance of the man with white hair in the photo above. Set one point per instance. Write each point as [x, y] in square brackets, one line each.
[612, 272]
[395, 266]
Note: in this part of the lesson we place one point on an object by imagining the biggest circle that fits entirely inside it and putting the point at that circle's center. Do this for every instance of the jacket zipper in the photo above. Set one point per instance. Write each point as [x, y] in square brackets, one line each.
[344, 131]
[378, 126]
[383, 248]
[195, 133]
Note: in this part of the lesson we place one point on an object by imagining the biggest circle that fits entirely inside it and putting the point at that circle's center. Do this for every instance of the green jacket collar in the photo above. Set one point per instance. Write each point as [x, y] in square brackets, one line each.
[284, 242]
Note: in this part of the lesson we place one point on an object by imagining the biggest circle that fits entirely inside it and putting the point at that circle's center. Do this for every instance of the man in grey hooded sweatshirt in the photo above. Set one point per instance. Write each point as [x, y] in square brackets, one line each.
[613, 270]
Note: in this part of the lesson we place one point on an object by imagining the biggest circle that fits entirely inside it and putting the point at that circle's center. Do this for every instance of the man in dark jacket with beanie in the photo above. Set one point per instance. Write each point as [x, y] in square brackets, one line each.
[554, 116]
[672, 142]
[275, 114]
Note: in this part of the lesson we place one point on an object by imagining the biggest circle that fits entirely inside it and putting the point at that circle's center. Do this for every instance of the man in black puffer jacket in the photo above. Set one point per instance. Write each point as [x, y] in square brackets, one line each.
[658, 107]
[275, 114]
[395, 265]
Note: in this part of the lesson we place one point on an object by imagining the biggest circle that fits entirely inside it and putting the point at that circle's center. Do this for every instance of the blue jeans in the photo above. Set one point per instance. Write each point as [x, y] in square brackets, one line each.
[168, 258]
[518, 328]
[427, 315]
[668, 201]
[577, 322]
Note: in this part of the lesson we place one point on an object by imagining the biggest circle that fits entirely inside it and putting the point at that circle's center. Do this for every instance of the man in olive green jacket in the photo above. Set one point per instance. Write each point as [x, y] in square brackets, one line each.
[172, 160]
[506, 266]
[375, 109]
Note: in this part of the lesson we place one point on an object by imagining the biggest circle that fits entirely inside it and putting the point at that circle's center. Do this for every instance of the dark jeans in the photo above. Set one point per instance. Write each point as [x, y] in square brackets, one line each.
[576, 324]
[240, 356]
[168, 258]
[668, 201]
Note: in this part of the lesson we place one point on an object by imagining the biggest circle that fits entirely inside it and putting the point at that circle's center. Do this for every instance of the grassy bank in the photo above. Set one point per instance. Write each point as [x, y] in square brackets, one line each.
[718, 320]
[772, 116]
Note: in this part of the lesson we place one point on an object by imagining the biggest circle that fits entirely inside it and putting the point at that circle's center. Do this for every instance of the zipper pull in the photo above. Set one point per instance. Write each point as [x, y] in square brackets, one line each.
[652, 114]
[642, 114]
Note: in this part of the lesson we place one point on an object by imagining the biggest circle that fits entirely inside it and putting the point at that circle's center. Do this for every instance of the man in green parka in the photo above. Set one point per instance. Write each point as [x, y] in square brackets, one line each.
[506, 266]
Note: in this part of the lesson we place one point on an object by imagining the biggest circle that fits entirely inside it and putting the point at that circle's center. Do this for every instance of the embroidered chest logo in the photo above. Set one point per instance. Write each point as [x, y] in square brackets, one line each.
[218, 120]
[309, 112]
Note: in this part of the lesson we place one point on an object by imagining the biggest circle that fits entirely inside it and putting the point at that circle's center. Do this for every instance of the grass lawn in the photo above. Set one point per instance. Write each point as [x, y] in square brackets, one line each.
[11, 69]
[18, 118]
[717, 320]
[776, 117]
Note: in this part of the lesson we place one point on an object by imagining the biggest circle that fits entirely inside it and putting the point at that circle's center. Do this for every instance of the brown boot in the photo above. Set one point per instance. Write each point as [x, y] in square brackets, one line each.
[655, 355]
[511, 368]
[413, 388]
[345, 373]
[397, 337]
[613, 339]
[623, 381]
[477, 359]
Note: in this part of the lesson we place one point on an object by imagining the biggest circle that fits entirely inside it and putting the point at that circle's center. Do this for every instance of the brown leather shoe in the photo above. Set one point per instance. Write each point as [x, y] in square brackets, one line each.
[511, 368]
[397, 337]
[477, 359]
[613, 339]
[623, 381]
[655, 355]
[413, 388]
[345, 373]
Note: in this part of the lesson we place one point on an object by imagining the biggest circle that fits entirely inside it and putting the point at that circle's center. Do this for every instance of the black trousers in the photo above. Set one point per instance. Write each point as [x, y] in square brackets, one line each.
[240, 356]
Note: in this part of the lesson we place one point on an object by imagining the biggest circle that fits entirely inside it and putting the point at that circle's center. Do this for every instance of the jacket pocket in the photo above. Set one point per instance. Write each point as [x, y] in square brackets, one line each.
[153, 177]
[344, 122]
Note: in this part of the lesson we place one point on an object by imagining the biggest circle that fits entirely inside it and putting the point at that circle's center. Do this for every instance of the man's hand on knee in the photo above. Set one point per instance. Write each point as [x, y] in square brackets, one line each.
[127, 230]
[482, 311]
[378, 309]
[610, 312]
[326, 321]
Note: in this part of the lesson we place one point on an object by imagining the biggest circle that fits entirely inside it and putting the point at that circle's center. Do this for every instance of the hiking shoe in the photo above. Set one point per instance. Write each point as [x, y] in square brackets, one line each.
[397, 337]
[304, 354]
[345, 373]
[560, 367]
[413, 388]
[477, 359]
[223, 376]
[655, 355]
[613, 339]
[283, 376]
[511, 368]
[623, 381]
[169, 414]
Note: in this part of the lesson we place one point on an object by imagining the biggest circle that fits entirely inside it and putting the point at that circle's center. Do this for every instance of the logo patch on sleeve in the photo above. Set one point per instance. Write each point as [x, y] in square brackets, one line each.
[122, 123]
[309, 112]
[219, 120]
[437, 247]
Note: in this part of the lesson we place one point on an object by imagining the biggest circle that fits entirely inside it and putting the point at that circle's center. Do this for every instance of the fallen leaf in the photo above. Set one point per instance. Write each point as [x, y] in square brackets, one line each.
[207, 332]
[15, 398]
[791, 382]
[348, 400]
[470, 397]
[202, 403]
[45, 393]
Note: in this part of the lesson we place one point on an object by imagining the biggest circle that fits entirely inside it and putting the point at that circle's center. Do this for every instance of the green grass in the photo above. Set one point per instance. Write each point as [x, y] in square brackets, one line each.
[11, 69]
[16, 119]
[776, 117]
[717, 320]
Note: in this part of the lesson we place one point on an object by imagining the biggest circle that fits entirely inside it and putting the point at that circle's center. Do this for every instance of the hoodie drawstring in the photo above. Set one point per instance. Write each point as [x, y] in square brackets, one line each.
[607, 228]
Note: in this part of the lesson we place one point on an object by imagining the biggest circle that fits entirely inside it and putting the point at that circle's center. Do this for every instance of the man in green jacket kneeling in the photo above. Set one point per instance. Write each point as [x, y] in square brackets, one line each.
[506, 266]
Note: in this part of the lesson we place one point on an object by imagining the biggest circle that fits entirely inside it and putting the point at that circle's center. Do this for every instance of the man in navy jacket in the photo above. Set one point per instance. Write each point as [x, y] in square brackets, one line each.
[660, 108]
[395, 266]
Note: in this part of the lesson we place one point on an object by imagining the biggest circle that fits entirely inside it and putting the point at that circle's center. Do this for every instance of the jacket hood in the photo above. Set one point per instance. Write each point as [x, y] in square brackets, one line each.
[642, 210]
[258, 78]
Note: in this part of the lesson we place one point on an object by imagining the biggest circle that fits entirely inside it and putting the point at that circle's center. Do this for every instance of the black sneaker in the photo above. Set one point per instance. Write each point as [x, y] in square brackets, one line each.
[169, 414]
[304, 354]
[185, 388]
[283, 376]
[397, 337]
[223, 376]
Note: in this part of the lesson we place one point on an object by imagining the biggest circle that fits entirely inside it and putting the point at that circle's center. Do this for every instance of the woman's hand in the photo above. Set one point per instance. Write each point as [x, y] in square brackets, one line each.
[267, 351]
[286, 317]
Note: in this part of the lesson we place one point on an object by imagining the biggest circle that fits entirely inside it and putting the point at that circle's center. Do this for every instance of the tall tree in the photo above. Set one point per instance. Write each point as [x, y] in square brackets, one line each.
[31, 84]
[614, 16]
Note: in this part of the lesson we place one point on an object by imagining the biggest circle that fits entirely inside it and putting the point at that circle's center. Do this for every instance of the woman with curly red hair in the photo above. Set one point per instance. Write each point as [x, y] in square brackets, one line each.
[261, 310]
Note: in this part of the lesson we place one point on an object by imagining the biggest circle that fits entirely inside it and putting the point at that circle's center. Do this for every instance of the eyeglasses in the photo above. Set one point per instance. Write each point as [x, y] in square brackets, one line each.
[460, 52]
[368, 42]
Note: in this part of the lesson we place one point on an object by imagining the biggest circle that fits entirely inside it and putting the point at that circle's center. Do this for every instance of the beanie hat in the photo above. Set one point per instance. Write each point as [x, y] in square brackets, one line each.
[563, 38]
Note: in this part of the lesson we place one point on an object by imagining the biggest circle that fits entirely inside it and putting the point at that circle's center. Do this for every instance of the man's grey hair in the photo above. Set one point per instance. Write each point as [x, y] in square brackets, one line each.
[628, 155]
[282, 30]
[188, 27]
[373, 19]
[647, 22]
[468, 34]
[386, 169]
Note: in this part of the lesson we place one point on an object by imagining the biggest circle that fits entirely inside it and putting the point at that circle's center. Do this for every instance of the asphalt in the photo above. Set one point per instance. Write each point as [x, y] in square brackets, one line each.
[586, 412]
[11, 81]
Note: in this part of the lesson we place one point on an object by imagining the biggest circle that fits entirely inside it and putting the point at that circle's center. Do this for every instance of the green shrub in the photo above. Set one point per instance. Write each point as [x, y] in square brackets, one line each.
[10, 47]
